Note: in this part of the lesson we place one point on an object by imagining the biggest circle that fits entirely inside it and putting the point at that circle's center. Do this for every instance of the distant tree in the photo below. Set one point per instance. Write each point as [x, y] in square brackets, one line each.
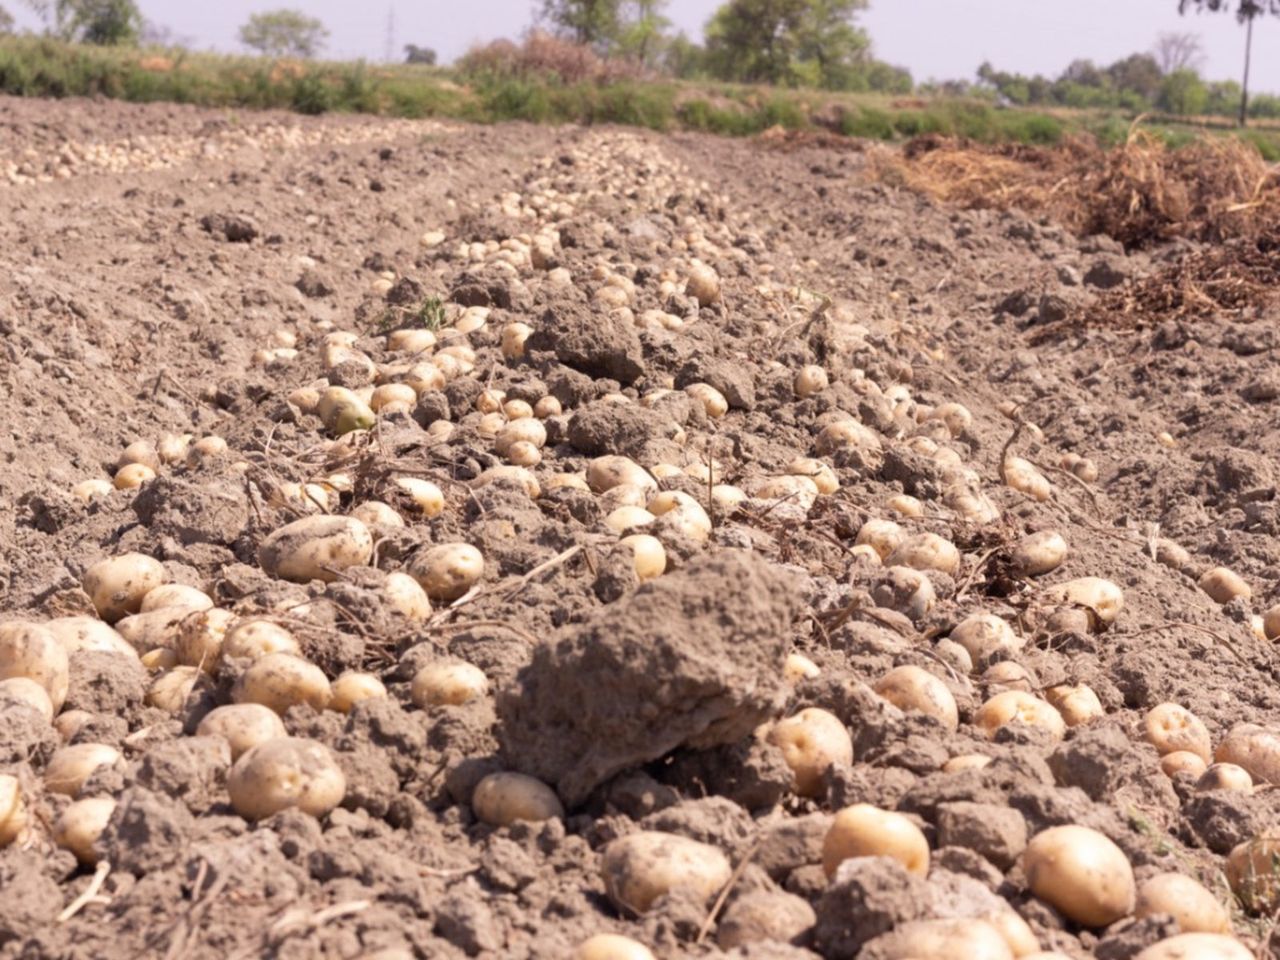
[642, 30]
[1178, 51]
[416, 54]
[785, 41]
[1138, 73]
[6, 21]
[827, 37]
[160, 35]
[683, 58]
[284, 33]
[1224, 99]
[1246, 11]
[593, 23]
[1183, 93]
[103, 22]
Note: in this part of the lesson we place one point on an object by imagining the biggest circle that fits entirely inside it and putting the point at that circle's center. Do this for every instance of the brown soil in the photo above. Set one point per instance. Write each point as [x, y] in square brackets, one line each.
[137, 283]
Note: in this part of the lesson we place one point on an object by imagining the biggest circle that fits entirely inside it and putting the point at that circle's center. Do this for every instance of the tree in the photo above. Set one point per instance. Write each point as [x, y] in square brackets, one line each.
[593, 23]
[416, 54]
[1138, 73]
[1178, 51]
[643, 30]
[284, 33]
[1183, 93]
[786, 41]
[6, 21]
[1247, 11]
[103, 22]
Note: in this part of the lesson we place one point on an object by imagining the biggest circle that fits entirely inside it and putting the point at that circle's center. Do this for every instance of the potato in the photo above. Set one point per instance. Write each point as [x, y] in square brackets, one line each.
[391, 397]
[500, 799]
[703, 284]
[1103, 597]
[132, 476]
[252, 639]
[1252, 874]
[524, 454]
[70, 767]
[342, 411]
[984, 635]
[956, 416]
[1007, 675]
[1016, 932]
[406, 596]
[846, 435]
[79, 826]
[763, 915]
[242, 725]
[174, 596]
[790, 487]
[1223, 585]
[907, 591]
[811, 741]
[1255, 748]
[1015, 706]
[628, 518]
[966, 761]
[1183, 761]
[883, 536]
[154, 629]
[206, 450]
[866, 831]
[639, 868]
[281, 681]
[1188, 902]
[1171, 727]
[13, 810]
[809, 380]
[1197, 946]
[823, 477]
[970, 502]
[448, 684]
[512, 471]
[547, 407]
[1039, 553]
[25, 690]
[690, 518]
[288, 772]
[649, 553]
[375, 513]
[117, 586]
[200, 638]
[612, 946]
[426, 498]
[727, 497]
[1023, 476]
[1077, 703]
[1271, 622]
[1225, 776]
[905, 506]
[32, 651]
[967, 938]
[527, 430]
[925, 551]
[86, 491]
[447, 571]
[913, 688]
[414, 340]
[162, 660]
[316, 548]
[798, 668]
[513, 337]
[1080, 873]
[352, 687]
[172, 689]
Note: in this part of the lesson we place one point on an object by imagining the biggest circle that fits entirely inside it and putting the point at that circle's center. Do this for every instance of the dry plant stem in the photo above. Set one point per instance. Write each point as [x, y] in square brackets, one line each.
[90, 894]
[973, 572]
[716, 907]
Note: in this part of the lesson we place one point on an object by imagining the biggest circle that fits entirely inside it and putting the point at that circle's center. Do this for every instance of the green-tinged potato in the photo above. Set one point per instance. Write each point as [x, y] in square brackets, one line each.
[352, 687]
[285, 773]
[914, 688]
[447, 571]
[281, 681]
[13, 810]
[866, 831]
[447, 683]
[316, 548]
[70, 767]
[31, 650]
[342, 411]
[1188, 902]
[1197, 946]
[117, 585]
[501, 799]
[242, 725]
[639, 868]
[1081, 873]
[811, 741]
[79, 826]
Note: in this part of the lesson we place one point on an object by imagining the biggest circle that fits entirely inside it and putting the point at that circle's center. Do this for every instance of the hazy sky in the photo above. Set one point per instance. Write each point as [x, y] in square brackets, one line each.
[934, 38]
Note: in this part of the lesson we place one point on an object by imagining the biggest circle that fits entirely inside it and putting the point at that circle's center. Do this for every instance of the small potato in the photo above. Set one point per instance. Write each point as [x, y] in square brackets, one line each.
[448, 684]
[907, 591]
[1169, 727]
[342, 411]
[905, 506]
[163, 660]
[791, 487]
[809, 380]
[727, 498]
[1183, 761]
[798, 668]
[1023, 476]
[281, 681]
[703, 284]
[425, 497]
[252, 639]
[316, 548]
[1223, 585]
[1255, 748]
[242, 725]
[447, 571]
[1007, 675]
[171, 595]
[406, 597]
[118, 585]
[514, 336]
[547, 407]
[390, 395]
[763, 915]
[200, 638]
[956, 416]
[1225, 776]
[1101, 596]
[628, 518]
[1197, 946]
[33, 651]
[132, 476]
[69, 722]
[526, 430]
[86, 491]
[142, 452]
[866, 831]
[413, 340]
[925, 551]
[171, 691]
[375, 513]
[13, 810]
[966, 761]
[884, 536]
[25, 690]
[1081, 873]
[612, 946]
[713, 402]
[206, 450]
[913, 688]
[79, 826]
[1015, 706]
[352, 687]
[289, 772]
[1271, 623]
[823, 477]
[650, 555]
[689, 516]
[846, 435]
[1039, 553]
[70, 767]
[500, 799]
[172, 447]
[1188, 902]
[967, 938]
[985, 635]
[970, 502]
[811, 741]
[1077, 703]
[639, 868]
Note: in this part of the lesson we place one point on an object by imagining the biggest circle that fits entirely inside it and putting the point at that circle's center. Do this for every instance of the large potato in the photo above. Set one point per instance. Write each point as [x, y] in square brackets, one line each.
[1081, 873]
[81, 824]
[1197, 946]
[447, 571]
[77, 634]
[970, 939]
[284, 773]
[913, 688]
[866, 831]
[1252, 874]
[1171, 727]
[811, 741]
[984, 635]
[1195, 908]
[503, 798]
[641, 867]
[70, 767]
[1103, 597]
[1255, 748]
[1015, 706]
[32, 651]
[118, 585]
[242, 725]
[280, 681]
[316, 548]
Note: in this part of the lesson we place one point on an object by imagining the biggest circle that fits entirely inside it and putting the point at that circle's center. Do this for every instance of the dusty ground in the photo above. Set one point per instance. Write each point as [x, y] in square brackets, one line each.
[123, 317]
